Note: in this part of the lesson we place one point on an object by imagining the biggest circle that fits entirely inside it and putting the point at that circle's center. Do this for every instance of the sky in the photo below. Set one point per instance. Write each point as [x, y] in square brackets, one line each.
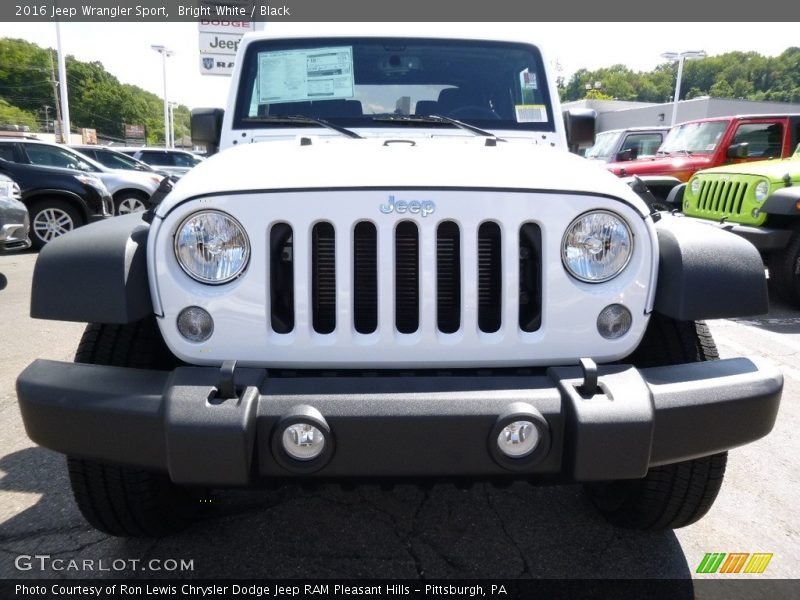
[124, 48]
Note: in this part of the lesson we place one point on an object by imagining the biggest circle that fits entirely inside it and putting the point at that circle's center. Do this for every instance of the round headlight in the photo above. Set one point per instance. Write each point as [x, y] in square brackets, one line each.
[694, 187]
[596, 246]
[212, 247]
[762, 189]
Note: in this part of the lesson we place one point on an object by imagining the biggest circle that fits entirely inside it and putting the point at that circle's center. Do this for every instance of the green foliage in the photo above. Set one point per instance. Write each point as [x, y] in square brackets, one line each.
[746, 75]
[11, 115]
[97, 99]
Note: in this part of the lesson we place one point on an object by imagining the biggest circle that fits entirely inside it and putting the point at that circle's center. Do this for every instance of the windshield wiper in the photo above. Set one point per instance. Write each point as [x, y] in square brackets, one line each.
[302, 119]
[436, 119]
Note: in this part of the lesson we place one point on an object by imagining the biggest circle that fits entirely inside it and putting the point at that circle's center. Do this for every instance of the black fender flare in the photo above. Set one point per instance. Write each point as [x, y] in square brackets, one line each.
[785, 201]
[707, 273]
[96, 273]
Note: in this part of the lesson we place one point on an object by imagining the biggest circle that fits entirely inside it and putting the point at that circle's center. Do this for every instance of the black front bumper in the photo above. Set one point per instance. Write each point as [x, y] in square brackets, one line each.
[396, 426]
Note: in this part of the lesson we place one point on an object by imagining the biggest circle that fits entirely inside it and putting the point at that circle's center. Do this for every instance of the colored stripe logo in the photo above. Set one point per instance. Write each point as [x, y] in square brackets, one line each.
[736, 562]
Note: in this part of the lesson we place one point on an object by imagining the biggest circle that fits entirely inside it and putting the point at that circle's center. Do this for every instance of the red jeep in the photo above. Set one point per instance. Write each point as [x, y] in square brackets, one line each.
[717, 141]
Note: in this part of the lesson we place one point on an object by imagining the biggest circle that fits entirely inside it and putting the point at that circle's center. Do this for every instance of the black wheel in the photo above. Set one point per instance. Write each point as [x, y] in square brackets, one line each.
[669, 496]
[120, 500]
[784, 271]
[50, 219]
[126, 202]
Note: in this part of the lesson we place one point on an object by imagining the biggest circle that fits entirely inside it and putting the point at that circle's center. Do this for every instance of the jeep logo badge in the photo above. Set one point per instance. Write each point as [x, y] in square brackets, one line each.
[415, 207]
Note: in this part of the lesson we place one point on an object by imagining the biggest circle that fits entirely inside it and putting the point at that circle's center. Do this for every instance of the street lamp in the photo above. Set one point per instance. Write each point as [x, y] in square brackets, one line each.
[680, 57]
[172, 106]
[164, 52]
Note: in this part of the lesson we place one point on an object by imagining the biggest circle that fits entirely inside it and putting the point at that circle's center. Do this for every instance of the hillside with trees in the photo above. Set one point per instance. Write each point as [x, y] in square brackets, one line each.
[97, 99]
[744, 75]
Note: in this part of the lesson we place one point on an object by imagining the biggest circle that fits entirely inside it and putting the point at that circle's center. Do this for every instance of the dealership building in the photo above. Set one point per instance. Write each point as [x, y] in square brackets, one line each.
[617, 114]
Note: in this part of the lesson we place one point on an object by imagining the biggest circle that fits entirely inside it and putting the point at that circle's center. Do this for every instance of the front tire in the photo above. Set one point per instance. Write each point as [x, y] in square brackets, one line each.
[51, 219]
[669, 496]
[120, 500]
[129, 202]
[784, 271]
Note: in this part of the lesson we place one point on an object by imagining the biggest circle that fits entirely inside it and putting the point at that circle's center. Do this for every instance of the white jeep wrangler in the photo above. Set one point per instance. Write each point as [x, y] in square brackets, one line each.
[394, 269]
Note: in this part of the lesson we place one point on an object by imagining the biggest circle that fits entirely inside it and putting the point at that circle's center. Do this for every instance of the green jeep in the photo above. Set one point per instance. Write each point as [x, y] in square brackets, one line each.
[760, 201]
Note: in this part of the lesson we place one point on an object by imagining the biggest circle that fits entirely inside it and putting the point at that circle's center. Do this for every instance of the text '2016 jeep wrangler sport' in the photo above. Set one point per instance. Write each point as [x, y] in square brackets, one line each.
[394, 269]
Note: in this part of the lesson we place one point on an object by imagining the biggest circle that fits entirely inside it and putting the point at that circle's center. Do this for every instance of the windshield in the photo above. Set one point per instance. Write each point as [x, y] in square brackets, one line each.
[349, 81]
[603, 145]
[696, 138]
[117, 160]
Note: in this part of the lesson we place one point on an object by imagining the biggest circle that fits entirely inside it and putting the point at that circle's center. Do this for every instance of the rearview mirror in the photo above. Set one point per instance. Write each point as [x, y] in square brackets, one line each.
[207, 128]
[737, 150]
[579, 125]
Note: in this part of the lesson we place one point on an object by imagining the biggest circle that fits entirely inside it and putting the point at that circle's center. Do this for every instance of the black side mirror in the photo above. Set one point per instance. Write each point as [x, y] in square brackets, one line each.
[579, 125]
[737, 150]
[207, 128]
[627, 154]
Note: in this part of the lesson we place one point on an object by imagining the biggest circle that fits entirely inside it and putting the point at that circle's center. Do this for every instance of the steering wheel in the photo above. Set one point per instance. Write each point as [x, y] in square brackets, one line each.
[473, 111]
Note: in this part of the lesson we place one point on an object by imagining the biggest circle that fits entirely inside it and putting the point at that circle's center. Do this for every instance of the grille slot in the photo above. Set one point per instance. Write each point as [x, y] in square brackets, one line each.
[281, 278]
[448, 277]
[722, 197]
[323, 277]
[490, 277]
[530, 277]
[406, 277]
[365, 277]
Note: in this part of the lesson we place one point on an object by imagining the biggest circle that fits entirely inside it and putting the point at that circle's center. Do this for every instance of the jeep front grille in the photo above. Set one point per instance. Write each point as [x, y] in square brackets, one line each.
[369, 262]
[721, 198]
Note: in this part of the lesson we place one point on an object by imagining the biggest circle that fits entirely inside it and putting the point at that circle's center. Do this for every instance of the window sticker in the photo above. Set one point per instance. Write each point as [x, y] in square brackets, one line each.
[302, 75]
[527, 80]
[531, 113]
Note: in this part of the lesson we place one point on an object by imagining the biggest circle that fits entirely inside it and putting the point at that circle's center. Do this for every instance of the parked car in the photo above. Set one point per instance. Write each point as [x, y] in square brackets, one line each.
[713, 142]
[626, 144]
[171, 161]
[113, 159]
[58, 200]
[760, 202]
[131, 190]
[14, 218]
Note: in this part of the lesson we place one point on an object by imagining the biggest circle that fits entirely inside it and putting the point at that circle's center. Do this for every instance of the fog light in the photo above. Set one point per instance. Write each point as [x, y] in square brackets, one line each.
[518, 439]
[303, 441]
[614, 321]
[195, 324]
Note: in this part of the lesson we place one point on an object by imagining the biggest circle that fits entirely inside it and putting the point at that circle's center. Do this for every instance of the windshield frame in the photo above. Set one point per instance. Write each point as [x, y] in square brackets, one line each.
[691, 131]
[605, 140]
[249, 72]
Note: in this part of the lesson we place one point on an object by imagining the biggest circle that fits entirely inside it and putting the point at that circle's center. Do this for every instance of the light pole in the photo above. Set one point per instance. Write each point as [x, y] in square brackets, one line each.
[680, 57]
[164, 52]
[172, 106]
[62, 82]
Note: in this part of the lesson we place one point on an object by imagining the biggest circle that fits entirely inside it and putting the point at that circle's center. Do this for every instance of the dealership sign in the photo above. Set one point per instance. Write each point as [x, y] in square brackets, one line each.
[219, 41]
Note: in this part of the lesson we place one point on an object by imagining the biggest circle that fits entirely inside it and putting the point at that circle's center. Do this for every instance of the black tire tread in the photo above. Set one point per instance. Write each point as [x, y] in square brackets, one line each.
[675, 495]
[119, 500]
[783, 281]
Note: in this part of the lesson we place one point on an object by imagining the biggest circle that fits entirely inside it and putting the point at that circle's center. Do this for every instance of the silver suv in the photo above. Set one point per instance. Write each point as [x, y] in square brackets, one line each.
[131, 190]
[173, 162]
